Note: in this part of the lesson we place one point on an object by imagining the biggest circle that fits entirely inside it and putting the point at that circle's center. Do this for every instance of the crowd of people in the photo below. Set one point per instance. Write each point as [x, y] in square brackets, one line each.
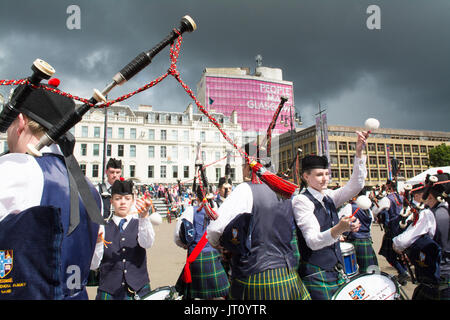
[242, 242]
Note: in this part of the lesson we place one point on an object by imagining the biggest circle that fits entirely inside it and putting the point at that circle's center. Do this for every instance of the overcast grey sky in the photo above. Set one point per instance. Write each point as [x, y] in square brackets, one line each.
[399, 74]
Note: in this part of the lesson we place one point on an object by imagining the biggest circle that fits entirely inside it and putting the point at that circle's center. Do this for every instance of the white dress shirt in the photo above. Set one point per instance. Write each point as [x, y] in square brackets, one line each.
[426, 224]
[146, 236]
[304, 208]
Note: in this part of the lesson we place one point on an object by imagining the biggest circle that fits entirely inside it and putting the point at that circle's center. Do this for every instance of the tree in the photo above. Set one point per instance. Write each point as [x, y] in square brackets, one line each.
[440, 156]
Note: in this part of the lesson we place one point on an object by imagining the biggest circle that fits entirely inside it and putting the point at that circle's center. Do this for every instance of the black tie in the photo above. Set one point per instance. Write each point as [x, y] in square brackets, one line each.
[328, 204]
[121, 223]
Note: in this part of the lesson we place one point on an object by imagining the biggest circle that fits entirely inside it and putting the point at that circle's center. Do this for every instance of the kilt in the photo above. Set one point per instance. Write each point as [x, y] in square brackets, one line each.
[428, 292]
[124, 294]
[365, 255]
[209, 279]
[273, 284]
[294, 244]
[320, 283]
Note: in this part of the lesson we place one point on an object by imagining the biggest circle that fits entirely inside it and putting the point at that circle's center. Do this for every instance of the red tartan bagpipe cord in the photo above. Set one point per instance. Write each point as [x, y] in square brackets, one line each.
[283, 187]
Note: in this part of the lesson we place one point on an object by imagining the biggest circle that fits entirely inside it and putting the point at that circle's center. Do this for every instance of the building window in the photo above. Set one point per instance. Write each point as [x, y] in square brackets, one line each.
[408, 161]
[174, 135]
[186, 171]
[132, 151]
[383, 174]
[332, 145]
[398, 148]
[334, 159]
[120, 150]
[84, 149]
[233, 174]
[373, 160]
[174, 152]
[163, 152]
[416, 161]
[151, 151]
[109, 132]
[344, 174]
[352, 146]
[409, 174]
[423, 149]
[121, 133]
[334, 174]
[217, 155]
[150, 171]
[203, 156]
[108, 150]
[96, 132]
[374, 174]
[343, 160]
[424, 161]
[371, 147]
[407, 148]
[380, 147]
[218, 174]
[343, 146]
[415, 149]
[96, 149]
[95, 170]
[175, 171]
[84, 131]
[132, 133]
[186, 153]
[202, 136]
[132, 170]
[185, 135]
[164, 135]
[382, 161]
[216, 136]
[163, 172]
[83, 168]
[151, 134]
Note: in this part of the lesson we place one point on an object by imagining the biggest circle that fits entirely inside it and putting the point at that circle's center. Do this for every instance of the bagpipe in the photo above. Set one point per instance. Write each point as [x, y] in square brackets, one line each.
[409, 210]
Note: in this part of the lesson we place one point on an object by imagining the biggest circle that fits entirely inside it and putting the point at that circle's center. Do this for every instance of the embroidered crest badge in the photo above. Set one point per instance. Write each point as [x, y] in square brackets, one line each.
[6, 262]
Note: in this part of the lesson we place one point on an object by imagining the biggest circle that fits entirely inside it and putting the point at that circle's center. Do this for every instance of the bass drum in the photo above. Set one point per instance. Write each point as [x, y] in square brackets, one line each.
[370, 286]
[162, 293]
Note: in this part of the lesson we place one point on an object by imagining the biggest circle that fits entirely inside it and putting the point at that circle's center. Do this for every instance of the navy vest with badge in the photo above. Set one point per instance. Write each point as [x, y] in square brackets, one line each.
[365, 218]
[191, 233]
[261, 240]
[425, 254]
[124, 258]
[60, 263]
[327, 257]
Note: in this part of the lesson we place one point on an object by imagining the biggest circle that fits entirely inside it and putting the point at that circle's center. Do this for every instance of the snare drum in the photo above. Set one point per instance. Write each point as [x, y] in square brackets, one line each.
[374, 286]
[349, 256]
[162, 293]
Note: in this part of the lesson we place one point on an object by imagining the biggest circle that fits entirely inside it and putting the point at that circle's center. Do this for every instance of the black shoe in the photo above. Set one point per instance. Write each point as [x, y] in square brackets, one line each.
[403, 278]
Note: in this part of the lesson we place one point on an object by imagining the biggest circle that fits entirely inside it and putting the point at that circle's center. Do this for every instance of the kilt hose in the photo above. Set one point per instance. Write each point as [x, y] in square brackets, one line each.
[365, 255]
[209, 279]
[273, 284]
[320, 283]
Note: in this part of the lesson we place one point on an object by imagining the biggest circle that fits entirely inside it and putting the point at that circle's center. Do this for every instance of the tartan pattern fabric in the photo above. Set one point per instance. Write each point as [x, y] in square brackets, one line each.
[320, 283]
[272, 284]
[426, 292]
[294, 244]
[124, 294]
[209, 279]
[365, 255]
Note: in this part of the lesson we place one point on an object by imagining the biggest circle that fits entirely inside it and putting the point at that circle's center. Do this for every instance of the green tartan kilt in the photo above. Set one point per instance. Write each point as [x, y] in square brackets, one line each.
[273, 284]
[209, 279]
[320, 283]
[425, 292]
[365, 255]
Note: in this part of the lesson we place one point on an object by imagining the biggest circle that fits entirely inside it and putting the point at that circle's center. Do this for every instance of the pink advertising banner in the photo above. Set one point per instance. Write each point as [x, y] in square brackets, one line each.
[255, 101]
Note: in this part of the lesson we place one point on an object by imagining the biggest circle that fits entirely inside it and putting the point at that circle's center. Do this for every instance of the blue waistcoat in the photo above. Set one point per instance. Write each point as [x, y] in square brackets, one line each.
[124, 261]
[200, 223]
[365, 218]
[269, 234]
[52, 264]
[327, 257]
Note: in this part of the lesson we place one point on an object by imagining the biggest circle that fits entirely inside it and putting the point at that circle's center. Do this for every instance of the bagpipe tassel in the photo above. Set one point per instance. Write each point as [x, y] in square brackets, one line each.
[280, 186]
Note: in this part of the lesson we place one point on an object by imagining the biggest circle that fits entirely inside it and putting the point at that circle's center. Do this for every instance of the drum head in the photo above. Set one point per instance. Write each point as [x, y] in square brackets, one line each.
[161, 293]
[368, 287]
[346, 247]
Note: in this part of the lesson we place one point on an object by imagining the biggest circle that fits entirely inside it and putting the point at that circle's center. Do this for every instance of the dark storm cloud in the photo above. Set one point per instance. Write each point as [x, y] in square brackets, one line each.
[398, 74]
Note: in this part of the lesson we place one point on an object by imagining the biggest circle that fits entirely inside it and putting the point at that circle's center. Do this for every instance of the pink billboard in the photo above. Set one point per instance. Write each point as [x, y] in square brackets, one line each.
[255, 101]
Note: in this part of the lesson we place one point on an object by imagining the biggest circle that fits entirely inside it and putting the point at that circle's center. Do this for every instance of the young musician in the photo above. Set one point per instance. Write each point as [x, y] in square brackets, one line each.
[113, 173]
[224, 189]
[120, 253]
[427, 243]
[258, 228]
[209, 279]
[391, 219]
[321, 264]
[36, 211]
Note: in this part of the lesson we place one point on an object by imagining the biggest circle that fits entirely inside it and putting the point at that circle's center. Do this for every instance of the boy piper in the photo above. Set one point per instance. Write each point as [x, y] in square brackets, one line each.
[319, 227]
[121, 256]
